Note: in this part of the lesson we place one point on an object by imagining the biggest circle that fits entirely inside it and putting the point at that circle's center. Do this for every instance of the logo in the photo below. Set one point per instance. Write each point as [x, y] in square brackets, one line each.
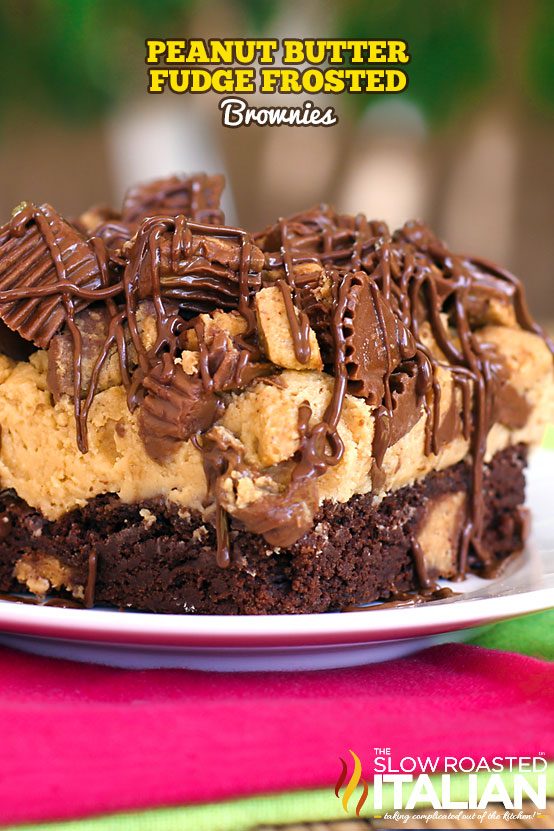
[353, 783]
[440, 783]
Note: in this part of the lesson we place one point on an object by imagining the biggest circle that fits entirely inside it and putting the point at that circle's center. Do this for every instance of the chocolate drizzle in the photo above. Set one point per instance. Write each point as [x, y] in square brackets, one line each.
[391, 312]
[169, 260]
[411, 278]
[45, 269]
[298, 320]
[425, 583]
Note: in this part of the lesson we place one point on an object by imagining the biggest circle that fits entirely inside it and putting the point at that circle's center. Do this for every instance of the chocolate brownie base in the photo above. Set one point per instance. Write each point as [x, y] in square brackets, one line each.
[157, 557]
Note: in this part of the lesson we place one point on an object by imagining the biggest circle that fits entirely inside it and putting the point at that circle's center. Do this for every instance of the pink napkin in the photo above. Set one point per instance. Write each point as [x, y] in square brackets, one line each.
[78, 740]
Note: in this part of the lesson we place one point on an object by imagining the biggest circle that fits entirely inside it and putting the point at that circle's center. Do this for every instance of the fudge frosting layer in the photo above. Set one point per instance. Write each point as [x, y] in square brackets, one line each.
[254, 376]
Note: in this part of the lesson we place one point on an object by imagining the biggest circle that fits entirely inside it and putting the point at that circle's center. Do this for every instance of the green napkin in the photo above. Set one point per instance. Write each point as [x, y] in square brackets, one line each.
[247, 814]
[548, 441]
[530, 635]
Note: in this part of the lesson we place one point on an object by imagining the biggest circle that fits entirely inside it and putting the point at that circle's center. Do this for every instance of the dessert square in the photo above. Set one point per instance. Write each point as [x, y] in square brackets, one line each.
[197, 419]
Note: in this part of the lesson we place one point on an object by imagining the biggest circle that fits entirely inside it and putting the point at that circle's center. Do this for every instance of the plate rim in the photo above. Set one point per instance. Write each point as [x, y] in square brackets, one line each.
[113, 627]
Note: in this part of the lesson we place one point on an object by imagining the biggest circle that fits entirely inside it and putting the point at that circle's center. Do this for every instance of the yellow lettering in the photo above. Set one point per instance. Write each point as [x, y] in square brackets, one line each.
[312, 80]
[158, 79]
[175, 51]
[293, 51]
[334, 80]
[233, 80]
[221, 51]
[355, 77]
[397, 52]
[377, 51]
[396, 80]
[154, 49]
[336, 50]
[197, 52]
[269, 79]
[179, 80]
[315, 51]
[375, 80]
[267, 48]
[290, 81]
[245, 51]
[244, 81]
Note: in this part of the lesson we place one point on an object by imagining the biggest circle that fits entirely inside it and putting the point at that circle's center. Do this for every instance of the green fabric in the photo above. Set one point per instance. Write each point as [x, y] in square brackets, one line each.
[530, 635]
[245, 814]
[548, 442]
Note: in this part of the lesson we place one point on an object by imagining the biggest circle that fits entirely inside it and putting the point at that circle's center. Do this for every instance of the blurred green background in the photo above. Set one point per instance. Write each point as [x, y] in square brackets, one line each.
[468, 146]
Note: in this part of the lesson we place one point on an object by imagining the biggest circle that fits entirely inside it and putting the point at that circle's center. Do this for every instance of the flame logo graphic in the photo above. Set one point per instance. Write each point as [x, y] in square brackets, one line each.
[353, 783]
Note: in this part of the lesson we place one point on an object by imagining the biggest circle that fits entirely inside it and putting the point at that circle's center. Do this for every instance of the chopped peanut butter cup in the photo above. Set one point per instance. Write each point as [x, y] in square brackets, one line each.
[48, 271]
[197, 197]
[201, 267]
[175, 408]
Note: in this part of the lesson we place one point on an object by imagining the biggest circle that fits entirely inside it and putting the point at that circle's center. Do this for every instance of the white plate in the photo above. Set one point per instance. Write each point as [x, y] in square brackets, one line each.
[291, 642]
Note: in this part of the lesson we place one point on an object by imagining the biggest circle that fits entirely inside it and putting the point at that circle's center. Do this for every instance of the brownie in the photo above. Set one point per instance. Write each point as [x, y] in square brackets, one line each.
[162, 560]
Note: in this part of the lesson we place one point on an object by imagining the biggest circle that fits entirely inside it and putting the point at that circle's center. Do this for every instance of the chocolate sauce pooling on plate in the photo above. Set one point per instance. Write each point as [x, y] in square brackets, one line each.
[365, 292]
[406, 599]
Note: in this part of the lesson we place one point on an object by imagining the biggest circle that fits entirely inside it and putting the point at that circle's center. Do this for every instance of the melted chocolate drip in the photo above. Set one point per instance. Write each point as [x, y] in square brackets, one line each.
[42, 261]
[406, 599]
[46, 270]
[170, 258]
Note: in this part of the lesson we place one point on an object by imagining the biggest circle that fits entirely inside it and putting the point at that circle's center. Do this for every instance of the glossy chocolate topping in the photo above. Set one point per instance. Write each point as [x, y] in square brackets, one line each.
[375, 300]
[196, 197]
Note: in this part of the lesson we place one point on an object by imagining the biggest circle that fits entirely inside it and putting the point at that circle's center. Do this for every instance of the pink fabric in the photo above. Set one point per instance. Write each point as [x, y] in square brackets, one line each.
[78, 740]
